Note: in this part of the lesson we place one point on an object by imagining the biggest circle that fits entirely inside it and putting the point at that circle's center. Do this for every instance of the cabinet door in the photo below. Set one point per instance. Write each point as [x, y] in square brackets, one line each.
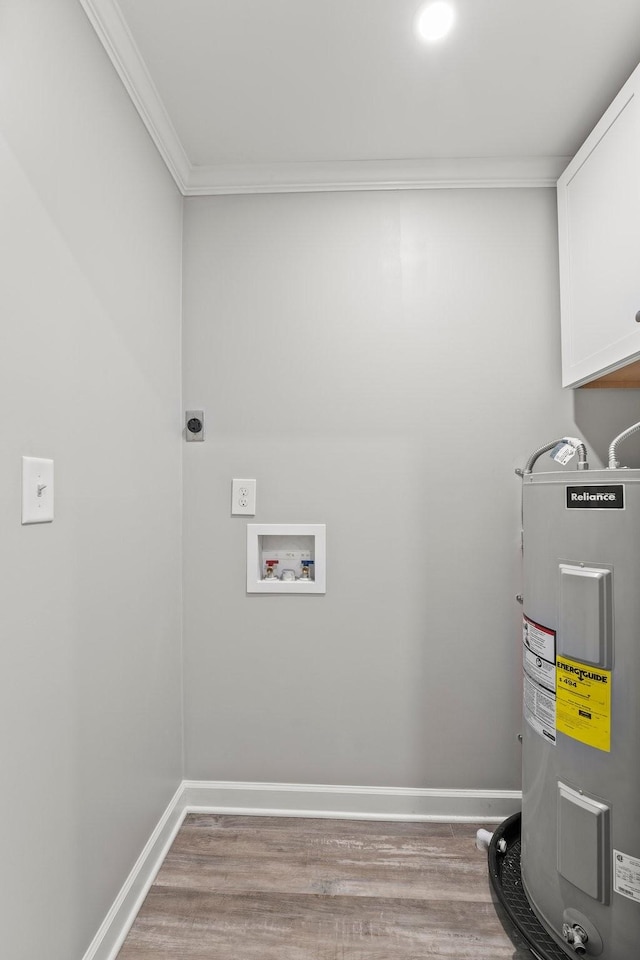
[599, 235]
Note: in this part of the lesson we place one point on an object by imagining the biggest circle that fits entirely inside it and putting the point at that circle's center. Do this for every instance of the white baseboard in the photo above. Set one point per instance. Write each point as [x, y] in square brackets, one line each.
[115, 926]
[288, 800]
[349, 803]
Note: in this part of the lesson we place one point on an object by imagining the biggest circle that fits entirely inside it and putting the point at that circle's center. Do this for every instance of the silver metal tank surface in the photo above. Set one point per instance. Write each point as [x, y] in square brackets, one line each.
[581, 729]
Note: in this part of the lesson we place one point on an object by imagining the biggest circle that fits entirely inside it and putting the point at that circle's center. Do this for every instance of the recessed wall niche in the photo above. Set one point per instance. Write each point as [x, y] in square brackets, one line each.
[286, 558]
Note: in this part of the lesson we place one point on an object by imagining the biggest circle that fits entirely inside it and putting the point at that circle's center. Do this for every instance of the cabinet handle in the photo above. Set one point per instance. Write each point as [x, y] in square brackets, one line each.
[638, 317]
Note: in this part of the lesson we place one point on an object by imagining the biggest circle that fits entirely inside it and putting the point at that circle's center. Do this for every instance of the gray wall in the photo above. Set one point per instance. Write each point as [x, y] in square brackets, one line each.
[380, 362]
[90, 667]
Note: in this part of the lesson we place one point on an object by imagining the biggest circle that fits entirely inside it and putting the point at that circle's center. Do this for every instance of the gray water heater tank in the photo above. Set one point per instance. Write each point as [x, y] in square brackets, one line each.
[581, 731]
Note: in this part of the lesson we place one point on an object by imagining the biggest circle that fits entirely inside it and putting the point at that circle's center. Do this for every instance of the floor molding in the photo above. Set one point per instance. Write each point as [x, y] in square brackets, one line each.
[111, 935]
[288, 800]
[349, 802]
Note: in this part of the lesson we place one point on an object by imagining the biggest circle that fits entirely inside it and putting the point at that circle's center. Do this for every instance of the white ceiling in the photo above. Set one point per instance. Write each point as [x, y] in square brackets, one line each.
[292, 94]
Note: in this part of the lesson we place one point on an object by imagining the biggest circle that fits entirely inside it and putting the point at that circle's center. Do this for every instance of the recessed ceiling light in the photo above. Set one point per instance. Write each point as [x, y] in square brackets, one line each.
[435, 20]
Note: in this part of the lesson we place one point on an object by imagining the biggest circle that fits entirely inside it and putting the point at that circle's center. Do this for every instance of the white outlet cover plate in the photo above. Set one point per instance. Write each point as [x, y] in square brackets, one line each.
[243, 498]
[37, 490]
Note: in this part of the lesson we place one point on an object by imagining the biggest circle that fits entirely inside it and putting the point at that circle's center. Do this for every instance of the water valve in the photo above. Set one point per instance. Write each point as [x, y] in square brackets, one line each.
[576, 937]
[306, 572]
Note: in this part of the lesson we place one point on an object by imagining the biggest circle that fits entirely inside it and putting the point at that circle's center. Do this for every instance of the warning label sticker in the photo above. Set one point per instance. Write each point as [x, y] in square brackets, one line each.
[626, 875]
[539, 666]
[540, 671]
[584, 703]
[539, 640]
[540, 709]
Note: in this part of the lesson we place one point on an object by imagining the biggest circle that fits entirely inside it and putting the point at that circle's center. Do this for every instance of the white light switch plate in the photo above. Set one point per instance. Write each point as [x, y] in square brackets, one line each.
[37, 490]
[243, 498]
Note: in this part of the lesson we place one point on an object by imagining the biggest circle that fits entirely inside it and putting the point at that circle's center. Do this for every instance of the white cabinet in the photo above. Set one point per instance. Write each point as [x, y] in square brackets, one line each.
[599, 236]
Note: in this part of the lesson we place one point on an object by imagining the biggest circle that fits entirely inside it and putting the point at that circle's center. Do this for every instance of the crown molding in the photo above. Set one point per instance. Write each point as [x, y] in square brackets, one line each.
[457, 172]
[290, 177]
[108, 22]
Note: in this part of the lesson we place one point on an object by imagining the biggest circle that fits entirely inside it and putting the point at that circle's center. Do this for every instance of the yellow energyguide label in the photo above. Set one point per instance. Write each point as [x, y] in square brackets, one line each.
[583, 708]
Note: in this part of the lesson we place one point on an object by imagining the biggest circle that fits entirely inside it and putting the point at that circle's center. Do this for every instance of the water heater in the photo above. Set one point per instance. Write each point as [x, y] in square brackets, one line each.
[580, 832]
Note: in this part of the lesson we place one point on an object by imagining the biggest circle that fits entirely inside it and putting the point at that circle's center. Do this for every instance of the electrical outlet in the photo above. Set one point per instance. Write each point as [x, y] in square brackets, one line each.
[194, 425]
[243, 498]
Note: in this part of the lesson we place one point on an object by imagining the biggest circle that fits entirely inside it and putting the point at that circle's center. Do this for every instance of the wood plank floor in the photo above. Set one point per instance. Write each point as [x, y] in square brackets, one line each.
[275, 888]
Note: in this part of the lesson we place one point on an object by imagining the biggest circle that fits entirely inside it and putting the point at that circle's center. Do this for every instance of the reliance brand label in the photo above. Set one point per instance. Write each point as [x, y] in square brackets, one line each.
[596, 497]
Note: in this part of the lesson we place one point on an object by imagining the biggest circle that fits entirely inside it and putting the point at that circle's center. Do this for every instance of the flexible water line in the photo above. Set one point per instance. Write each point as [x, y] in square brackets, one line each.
[528, 467]
[613, 461]
[582, 454]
